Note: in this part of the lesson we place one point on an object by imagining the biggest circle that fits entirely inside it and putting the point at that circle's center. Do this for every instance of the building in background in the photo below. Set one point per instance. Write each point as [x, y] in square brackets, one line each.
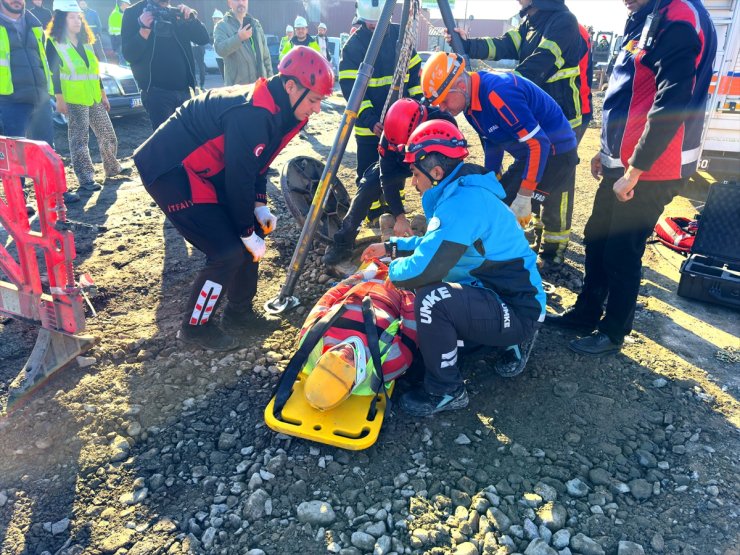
[338, 15]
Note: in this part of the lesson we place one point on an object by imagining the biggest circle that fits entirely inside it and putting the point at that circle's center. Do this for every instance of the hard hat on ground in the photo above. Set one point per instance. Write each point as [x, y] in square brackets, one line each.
[402, 118]
[300, 22]
[332, 379]
[309, 68]
[439, 74]
[288, 28]
[322, 26]
[369, 10]
[439, 136]
[217, 13]
[66, 6]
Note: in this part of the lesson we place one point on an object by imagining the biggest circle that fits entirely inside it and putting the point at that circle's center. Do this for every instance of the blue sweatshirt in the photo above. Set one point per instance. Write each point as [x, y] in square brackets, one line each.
[474, 239]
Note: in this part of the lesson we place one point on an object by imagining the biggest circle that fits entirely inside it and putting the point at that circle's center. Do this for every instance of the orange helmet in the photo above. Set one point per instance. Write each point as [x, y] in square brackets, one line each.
[439, 74]
[436, 135]
[309, 68]
[402, 118]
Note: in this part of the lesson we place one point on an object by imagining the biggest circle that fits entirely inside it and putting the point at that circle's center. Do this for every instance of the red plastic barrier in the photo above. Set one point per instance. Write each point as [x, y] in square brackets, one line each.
[24, 298]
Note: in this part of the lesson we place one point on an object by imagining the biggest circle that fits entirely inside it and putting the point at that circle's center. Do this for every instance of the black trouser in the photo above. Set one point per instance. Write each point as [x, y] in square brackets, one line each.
[449, 312]
[552, 201]
[161, 103]
[367, 155]
[229, 270]
[615, 238]
[369, 191]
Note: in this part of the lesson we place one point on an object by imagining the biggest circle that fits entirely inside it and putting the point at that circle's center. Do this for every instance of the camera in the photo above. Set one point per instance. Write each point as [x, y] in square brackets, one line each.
[164, 17]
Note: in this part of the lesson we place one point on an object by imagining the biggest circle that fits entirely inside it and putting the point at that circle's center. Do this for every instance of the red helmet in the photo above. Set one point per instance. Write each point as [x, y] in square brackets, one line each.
[309, 68]
[435, 136]
[402, 118]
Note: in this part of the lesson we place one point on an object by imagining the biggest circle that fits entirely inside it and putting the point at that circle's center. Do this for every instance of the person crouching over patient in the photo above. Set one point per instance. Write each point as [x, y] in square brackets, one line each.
[474, 274]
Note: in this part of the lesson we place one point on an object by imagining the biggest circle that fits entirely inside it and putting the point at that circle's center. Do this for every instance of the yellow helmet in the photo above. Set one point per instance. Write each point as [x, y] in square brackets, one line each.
[332, 379]
[439, 74]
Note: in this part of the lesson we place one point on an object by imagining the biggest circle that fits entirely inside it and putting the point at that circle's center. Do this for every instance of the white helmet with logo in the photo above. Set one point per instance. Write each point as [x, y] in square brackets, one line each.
[66, 6]
[300, 22]
[369, 10]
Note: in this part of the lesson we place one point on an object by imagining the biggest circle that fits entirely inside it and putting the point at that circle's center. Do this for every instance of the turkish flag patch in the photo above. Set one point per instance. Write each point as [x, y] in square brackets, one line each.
[259, 149]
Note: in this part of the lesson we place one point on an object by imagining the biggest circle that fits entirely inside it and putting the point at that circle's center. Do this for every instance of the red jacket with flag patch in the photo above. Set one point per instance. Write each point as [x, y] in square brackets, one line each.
[654, 106]
[225, 141]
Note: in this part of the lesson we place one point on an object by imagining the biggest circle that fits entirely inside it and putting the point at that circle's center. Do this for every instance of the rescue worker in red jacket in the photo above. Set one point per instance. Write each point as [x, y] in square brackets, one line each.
[586, 70]
[206, 169]
[650, 144]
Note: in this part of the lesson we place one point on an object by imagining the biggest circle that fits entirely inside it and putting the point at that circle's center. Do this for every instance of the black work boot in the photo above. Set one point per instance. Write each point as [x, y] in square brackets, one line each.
[418, 402]
[596, 344]
[207, 336]
[338, 251]
[515, 358]
[244, 320]
[572, 319]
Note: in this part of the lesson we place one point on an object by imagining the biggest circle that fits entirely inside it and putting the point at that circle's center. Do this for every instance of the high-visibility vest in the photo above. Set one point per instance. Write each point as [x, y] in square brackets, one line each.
[6, 78]
[114, 21]
[80, 81]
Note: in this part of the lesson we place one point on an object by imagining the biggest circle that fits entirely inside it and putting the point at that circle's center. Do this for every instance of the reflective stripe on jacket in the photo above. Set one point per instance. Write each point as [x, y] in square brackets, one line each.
[24, 77]
[80, 81]
[548, 48]
[655, 104]
[115, 19]
[352, 56]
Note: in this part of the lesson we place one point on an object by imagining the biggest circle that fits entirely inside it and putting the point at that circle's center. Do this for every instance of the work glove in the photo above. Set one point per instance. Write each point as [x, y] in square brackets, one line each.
[522, 208]
[266, 219]
[255, 245]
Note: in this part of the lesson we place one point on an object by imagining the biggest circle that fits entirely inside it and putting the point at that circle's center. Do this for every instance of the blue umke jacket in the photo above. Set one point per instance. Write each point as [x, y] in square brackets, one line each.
[474, 239]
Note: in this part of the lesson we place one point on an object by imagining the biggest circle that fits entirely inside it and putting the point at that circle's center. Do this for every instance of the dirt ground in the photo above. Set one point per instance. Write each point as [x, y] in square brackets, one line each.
[153, 448]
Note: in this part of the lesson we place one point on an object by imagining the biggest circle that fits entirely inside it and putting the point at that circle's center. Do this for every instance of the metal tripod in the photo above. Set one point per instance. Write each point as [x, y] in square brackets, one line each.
[286, 300]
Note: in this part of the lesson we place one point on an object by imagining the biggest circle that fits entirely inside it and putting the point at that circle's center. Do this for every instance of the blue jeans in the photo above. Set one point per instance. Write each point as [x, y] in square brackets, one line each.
[27, 121]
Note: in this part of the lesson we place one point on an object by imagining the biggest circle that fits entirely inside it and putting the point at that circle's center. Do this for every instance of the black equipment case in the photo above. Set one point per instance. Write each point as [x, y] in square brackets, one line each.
[711, 273]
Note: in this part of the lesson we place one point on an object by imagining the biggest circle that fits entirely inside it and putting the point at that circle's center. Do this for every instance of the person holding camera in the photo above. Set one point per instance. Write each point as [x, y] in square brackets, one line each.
[156, 41]
[240, 41]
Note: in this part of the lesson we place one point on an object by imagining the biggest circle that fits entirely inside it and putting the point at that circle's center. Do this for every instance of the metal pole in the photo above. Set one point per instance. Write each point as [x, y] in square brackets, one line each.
[285, 300]
[449, 21]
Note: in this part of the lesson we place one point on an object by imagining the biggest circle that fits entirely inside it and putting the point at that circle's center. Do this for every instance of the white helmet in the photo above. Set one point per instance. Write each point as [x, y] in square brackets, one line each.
[217, 13]
[66, 6]
[300, 22]
[289, 29]
[369, 10]
[322, 26]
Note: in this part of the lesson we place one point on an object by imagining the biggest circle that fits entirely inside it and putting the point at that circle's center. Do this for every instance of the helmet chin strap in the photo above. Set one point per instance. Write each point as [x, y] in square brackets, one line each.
[300, 98]
[433, 181]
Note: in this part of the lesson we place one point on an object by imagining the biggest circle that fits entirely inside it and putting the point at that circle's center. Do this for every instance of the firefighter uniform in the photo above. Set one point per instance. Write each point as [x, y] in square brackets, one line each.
[548, 47]
[352, 56]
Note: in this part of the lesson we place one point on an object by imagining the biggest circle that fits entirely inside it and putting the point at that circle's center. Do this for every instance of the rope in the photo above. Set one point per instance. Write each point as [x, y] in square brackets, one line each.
[404, 56]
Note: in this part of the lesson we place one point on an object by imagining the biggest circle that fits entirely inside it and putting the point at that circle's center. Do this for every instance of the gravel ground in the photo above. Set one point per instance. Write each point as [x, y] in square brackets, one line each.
[144, 447]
